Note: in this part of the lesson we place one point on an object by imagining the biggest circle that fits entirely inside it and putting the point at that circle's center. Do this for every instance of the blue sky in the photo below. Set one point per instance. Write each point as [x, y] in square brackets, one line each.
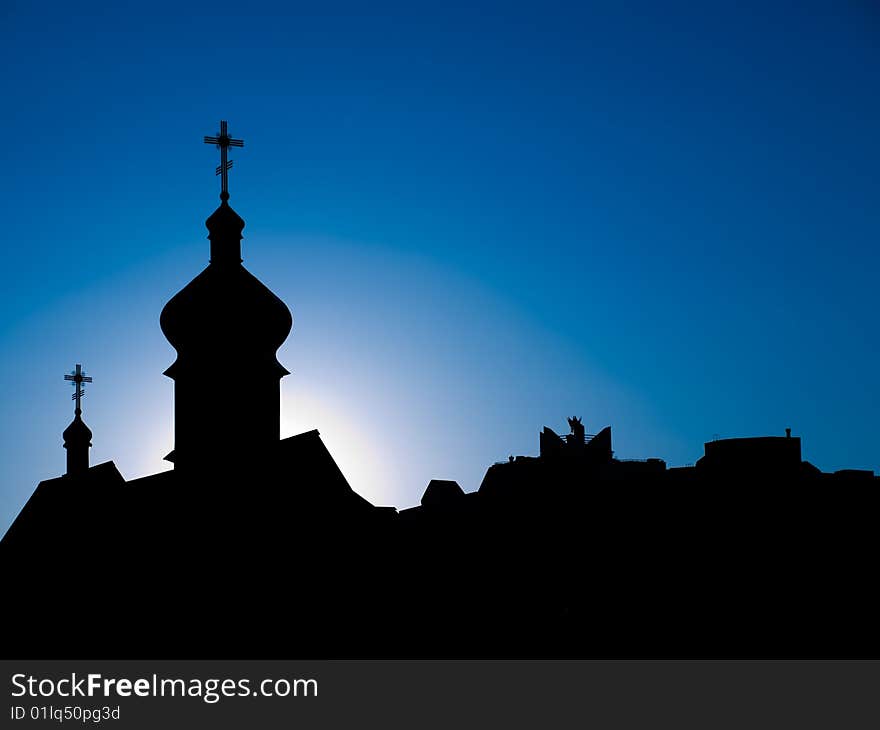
[484, 218]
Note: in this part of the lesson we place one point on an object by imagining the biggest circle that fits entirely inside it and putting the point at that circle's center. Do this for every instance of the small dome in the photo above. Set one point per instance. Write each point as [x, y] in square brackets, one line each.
[224, 230]
[77, 433]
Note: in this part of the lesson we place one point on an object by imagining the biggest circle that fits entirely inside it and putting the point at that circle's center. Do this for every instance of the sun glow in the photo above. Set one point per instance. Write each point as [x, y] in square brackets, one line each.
[346, 433]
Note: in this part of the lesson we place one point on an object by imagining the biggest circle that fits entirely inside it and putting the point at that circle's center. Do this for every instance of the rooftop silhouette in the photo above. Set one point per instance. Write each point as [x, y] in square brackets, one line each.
[258, 546]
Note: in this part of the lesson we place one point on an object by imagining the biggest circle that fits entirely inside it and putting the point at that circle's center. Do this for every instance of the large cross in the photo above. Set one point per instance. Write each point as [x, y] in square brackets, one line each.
[224, 142]
[78, 377]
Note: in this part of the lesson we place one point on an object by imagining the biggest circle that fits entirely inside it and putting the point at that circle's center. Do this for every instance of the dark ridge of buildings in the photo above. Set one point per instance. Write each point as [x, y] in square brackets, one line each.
[255, 547]
[568, 553]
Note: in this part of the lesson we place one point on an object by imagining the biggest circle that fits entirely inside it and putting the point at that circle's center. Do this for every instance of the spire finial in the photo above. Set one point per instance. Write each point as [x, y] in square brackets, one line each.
[78, 377]
[77, 436]
[224, 142]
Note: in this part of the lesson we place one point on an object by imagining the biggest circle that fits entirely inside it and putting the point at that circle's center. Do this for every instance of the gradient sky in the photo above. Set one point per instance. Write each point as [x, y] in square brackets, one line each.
[484, 218]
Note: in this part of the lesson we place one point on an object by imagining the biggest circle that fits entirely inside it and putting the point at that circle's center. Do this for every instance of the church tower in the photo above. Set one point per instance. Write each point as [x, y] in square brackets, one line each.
[226, 327]
[77, 436]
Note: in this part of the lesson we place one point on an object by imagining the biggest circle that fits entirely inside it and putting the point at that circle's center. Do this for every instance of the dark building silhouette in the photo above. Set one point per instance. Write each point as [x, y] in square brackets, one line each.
[254, 546]
[77, 440]
[225, 320]
[77, 436]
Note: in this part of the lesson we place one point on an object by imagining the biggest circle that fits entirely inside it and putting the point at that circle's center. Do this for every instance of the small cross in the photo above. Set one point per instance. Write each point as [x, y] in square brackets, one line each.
[224, 142]
[78, 377]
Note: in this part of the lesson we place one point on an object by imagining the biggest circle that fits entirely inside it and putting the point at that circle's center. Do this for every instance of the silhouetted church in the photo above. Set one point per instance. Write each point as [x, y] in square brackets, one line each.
[254, 546]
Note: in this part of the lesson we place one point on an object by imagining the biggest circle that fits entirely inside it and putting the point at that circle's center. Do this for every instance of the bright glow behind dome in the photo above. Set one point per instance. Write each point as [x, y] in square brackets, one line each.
[346, 434]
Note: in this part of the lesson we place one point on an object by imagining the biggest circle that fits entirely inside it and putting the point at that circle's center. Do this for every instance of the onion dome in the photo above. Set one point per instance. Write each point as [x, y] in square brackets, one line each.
[77, 434]
[77, 440]
[225, 311]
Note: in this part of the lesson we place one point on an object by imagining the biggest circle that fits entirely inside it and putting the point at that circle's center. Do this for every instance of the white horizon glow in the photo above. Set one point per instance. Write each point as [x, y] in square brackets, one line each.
[345, 434]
